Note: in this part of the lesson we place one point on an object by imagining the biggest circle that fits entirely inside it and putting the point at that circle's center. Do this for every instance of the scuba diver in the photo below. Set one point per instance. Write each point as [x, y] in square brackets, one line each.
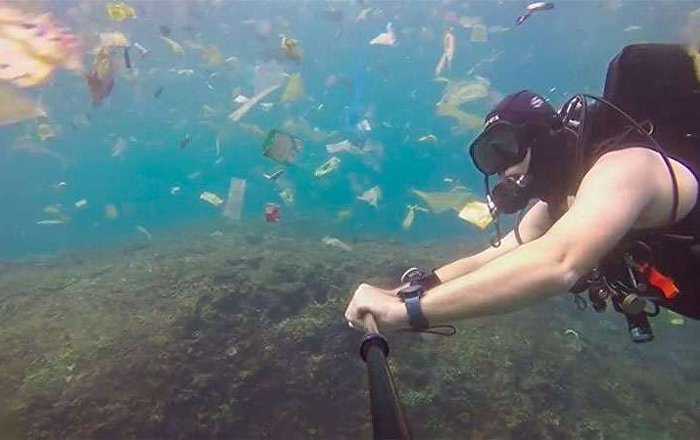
[607, 190]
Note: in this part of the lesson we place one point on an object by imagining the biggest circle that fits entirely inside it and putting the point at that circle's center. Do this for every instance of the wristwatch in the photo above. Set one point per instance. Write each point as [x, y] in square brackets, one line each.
[411, 296]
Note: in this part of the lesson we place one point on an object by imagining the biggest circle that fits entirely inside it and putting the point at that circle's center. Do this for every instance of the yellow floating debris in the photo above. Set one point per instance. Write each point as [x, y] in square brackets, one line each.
[327, 167]
[173, 45]
[212, 56]
[45, 132]
[294, 89]
[467, 120]
[120, 12]
[15, 107]
[476, 213]
[287, 195]
[211, 198]
[439, 202]
[479, 33]
[113, 39]
[29, 57]
[459, 92]
[111, 212]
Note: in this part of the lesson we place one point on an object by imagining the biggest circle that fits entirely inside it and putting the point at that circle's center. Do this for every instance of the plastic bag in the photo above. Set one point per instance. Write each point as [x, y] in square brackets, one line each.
[234, 202]
[282, 147]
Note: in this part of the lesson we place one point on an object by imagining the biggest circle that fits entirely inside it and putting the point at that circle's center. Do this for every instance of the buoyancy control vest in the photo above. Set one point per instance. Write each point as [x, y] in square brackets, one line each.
[659, 87]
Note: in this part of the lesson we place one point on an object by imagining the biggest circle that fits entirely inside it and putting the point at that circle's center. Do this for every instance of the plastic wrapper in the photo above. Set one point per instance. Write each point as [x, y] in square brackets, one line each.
[294, 88]
[16, 107]
[459, 92]
[343, 146]
[211, 198]
[387, 38]
[411, 216]
[327, 167]
[332, 241]
[439, 202]
[282, 147]
[120, 12]
[371, 196]
[45, 132]
[111, 212]
[33, 47]
[173, 45]
[237, 114]
[234, 201]
[291, 48]
[479, 34]
[448, 52]
[100, 80]
[476, 213]
[467, 120]
[114, 39]
[81, 203]
[287, 196]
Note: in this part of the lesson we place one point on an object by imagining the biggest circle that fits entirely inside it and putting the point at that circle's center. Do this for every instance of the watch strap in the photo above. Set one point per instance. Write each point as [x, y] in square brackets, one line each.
[416, 318]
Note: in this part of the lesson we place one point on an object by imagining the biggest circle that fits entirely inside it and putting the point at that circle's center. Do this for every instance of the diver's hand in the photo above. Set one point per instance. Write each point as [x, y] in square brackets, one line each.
[387, 309]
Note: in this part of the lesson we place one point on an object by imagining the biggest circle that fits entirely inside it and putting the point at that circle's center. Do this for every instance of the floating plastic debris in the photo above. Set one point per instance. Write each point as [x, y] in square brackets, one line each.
[245, 108]
[632, 28]
[469, 22]
[185, 141]
[410, 216]
[294, 89]
[272, 213]
[291, 48]
[50, 222]
[81, 203]
[111, 212]
[332, 241]
[273, 176]
[532, 8]
[327, 167]
[119, 147]
[173, 45]
[287, 196]
[33, 47]
[15, 107]
[439, 202]
[211, 198]
[431, 138]
[175, 190]
[476, 213]
[282, 147]
[675, 318]
[448, 52]
[371, 196]
[467, 120]
[343, 146]
[364, 125]
[145, 232]
[234, 202]
[387, 38]
[459, 92]
[212, 56]
[45, 132]
[362, 15]
[113, 40]
[479, 34]
[240, 99]
[100, 80]
[120, 12]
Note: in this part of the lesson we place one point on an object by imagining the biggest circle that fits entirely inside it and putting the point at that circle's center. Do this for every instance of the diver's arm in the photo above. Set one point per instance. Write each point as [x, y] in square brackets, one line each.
[609, 202]
[534, 223]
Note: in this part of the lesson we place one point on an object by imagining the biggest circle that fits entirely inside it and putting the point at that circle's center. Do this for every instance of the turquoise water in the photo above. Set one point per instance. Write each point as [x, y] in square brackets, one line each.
[563, 50]
[148, 314]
